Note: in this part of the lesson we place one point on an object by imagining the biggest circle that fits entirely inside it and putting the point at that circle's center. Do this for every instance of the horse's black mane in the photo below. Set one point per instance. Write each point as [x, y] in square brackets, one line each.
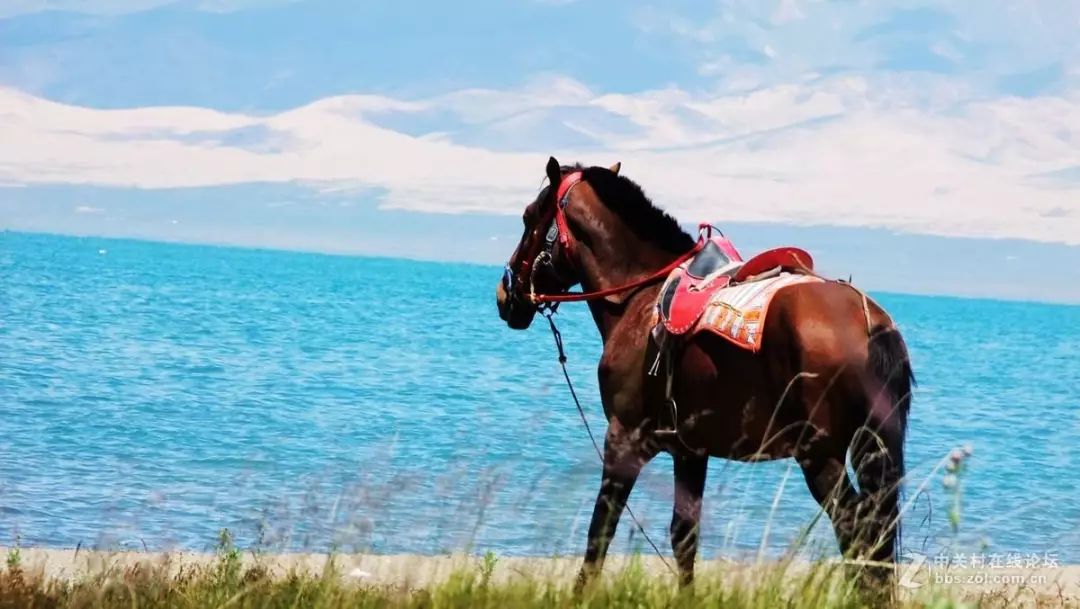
[624, 197]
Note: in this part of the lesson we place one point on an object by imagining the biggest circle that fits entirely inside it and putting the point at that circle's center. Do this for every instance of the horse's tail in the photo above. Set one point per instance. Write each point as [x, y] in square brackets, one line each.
[878, 454]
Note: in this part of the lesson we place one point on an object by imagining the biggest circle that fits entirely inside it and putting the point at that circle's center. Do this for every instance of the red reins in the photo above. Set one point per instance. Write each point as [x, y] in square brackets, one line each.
[585, 296]
[561, 200]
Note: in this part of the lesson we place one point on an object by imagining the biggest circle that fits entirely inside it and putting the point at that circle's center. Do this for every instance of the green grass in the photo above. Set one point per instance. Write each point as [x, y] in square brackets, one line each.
[226, 582]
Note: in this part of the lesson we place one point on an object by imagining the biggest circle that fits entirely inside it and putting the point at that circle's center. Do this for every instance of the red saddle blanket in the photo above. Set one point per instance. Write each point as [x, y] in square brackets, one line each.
[719, 292]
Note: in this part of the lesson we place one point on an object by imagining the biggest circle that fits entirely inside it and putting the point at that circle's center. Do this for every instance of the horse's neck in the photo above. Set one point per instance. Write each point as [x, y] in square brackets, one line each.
[616, 261]
[606, 267]
[609, 315]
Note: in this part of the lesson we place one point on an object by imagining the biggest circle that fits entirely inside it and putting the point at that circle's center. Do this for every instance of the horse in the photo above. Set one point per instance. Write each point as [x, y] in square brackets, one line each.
[832, 375]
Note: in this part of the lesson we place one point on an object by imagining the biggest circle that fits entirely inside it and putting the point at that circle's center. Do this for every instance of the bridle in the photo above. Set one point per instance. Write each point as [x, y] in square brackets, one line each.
[542, 255]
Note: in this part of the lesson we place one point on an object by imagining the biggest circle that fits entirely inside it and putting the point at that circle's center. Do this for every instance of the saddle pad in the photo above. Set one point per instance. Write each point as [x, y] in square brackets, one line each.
[737, 313]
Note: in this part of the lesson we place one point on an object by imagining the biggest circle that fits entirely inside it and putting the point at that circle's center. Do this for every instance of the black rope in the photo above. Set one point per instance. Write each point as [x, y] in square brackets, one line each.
[549, 313]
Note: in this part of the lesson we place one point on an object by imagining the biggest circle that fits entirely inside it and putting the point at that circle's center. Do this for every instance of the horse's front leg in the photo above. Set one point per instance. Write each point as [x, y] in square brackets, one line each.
[625, 454]
[690, 471]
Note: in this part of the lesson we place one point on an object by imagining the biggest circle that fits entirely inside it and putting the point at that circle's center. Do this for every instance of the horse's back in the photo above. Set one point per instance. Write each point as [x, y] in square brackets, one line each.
[827, 323]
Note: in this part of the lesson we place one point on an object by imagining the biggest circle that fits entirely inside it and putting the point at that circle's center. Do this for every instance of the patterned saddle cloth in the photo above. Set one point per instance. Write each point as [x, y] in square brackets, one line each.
[718, 292]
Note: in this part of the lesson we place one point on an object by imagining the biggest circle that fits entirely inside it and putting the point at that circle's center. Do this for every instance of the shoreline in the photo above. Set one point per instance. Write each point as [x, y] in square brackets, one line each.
[412, 571]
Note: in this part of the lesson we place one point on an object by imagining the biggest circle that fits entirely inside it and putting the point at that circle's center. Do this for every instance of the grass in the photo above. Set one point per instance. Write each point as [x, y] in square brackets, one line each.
[227, 581]
[233, 579]
[224, 585]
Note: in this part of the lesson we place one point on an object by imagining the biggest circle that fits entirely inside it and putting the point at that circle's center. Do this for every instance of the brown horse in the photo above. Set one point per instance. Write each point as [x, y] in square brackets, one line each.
[832, 373]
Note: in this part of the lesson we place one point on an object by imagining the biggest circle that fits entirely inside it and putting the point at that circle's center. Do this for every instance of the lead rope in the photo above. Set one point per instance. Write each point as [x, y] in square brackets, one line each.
[549, 313]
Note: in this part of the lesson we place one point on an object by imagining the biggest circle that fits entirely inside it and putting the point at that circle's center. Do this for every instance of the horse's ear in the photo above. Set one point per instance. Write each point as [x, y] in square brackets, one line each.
[554, 172]
[615, 168]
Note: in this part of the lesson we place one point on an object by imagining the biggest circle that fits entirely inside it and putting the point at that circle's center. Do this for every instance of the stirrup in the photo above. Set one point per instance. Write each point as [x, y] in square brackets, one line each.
[666, 434]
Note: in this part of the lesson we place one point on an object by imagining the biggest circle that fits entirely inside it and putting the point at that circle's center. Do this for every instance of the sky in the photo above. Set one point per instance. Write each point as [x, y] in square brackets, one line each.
[927, 147]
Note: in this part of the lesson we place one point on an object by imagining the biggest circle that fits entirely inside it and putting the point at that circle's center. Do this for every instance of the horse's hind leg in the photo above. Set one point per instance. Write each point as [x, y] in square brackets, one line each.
[865, 522]
[879, 475]
[690, 471]
[624, 456]
[827, 478]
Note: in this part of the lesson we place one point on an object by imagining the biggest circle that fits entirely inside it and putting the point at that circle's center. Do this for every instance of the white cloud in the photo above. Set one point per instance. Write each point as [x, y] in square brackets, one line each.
[786, 11]
[88, 209]
[908, 154]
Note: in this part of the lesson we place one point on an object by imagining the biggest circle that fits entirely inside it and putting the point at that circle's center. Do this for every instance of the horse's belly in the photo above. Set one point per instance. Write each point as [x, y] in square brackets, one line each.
[750, 435]
[729, 404]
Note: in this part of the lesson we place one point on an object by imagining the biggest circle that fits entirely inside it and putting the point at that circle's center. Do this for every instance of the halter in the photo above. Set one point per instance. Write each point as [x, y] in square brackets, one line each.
[559, 231]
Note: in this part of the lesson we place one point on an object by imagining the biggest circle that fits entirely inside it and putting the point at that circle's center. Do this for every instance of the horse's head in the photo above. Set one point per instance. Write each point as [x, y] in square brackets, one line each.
[543, 261]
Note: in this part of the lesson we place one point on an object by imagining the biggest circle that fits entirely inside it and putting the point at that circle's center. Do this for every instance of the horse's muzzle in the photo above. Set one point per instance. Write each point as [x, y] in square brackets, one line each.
[517, 313]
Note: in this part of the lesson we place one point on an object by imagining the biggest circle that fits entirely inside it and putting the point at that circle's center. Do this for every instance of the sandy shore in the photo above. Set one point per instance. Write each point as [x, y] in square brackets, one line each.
[409, 570]
[413, 571]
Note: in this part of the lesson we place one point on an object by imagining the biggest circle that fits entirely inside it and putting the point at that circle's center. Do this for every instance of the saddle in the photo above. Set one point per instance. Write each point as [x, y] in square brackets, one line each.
[691, 286]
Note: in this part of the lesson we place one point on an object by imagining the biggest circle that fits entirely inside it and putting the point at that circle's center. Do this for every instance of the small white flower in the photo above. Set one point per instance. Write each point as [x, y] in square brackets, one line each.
[949, 481]
[359, 573]
[968, 449]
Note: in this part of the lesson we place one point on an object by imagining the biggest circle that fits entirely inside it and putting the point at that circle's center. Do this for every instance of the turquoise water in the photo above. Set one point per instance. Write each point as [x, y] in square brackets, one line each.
[151, 394]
